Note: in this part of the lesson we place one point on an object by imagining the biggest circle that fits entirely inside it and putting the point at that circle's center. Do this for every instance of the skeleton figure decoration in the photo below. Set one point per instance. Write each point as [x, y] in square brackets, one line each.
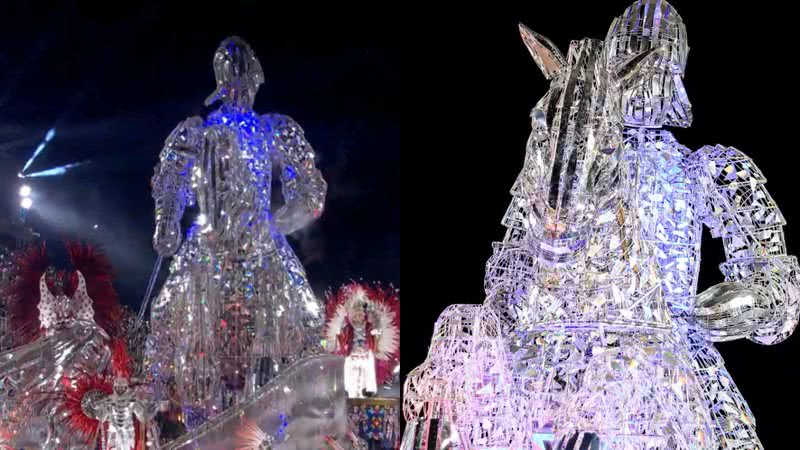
[605, 341]
[106, 411]
[117, 411]
[236, 293]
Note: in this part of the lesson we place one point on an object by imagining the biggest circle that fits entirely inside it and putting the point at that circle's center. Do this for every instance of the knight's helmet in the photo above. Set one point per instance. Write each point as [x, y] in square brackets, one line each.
[238, 73]
[659, 100]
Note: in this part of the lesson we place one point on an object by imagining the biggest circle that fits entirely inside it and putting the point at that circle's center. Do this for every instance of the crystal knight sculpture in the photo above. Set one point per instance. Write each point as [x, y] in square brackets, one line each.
[236, 292]
[717, 186]
[594, 285]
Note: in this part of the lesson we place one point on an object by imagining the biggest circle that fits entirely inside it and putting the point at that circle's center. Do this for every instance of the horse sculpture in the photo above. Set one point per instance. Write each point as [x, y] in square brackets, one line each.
[573, 287]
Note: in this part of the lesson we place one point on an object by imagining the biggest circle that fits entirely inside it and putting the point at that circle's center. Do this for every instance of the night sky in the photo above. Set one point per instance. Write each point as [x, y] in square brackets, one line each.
[478, 83]
[115, 83]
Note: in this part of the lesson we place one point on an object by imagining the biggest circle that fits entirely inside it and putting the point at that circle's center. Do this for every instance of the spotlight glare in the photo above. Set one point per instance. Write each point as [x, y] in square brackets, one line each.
[26, 203]
[25, 191]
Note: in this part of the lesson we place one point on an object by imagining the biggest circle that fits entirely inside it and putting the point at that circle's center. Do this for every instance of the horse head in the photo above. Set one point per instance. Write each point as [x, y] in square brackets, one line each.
[574, 165]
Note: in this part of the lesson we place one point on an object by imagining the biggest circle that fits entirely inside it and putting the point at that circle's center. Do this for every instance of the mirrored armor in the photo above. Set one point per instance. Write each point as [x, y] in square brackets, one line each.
[680, 191]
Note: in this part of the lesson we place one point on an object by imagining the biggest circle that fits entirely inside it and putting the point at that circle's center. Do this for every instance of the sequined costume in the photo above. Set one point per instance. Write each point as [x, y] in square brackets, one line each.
[606, 342]
[236, 292]
[363, 324]
[359, 368]
[63, 340]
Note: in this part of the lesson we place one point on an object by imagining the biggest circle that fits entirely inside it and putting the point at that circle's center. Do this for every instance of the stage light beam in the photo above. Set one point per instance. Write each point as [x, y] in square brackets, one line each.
[60, 170]
[51, 133]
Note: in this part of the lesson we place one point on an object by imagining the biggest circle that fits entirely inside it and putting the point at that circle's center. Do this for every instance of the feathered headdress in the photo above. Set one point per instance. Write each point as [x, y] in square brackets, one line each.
[382, 324]
[97, 271]
[121, 362]
[23, 294]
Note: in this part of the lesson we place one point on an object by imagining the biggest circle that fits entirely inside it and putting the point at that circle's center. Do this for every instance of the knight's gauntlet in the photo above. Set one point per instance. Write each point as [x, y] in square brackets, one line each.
[758, 300]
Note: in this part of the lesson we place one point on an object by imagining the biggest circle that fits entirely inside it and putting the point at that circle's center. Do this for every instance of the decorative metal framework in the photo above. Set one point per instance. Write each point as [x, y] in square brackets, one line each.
[592, 333]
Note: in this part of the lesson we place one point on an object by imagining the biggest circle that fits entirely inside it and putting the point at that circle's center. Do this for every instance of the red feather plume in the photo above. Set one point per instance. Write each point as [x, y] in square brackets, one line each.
[82, 426]
[390, 299]
[98, 273]
[121, 363]
[22, 293]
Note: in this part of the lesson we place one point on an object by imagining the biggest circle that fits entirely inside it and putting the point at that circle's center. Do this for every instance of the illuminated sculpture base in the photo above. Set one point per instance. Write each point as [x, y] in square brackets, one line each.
[296, 409]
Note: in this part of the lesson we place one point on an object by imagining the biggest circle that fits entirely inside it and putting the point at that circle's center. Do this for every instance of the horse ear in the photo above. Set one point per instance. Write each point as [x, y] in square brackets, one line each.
[543, 51]
[639, 67]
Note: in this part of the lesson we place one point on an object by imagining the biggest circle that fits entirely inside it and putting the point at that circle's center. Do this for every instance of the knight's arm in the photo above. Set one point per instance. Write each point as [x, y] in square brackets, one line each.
[737, 208]
[171, 183]
[302, 184]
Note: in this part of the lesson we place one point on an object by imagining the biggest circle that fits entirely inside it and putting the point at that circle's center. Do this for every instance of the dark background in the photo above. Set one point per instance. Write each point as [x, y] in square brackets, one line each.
[115, 80]
[474, 84]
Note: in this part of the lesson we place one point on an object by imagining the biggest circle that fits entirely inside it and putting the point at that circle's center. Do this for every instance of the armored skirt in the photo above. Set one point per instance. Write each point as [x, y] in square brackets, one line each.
[223, 315]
